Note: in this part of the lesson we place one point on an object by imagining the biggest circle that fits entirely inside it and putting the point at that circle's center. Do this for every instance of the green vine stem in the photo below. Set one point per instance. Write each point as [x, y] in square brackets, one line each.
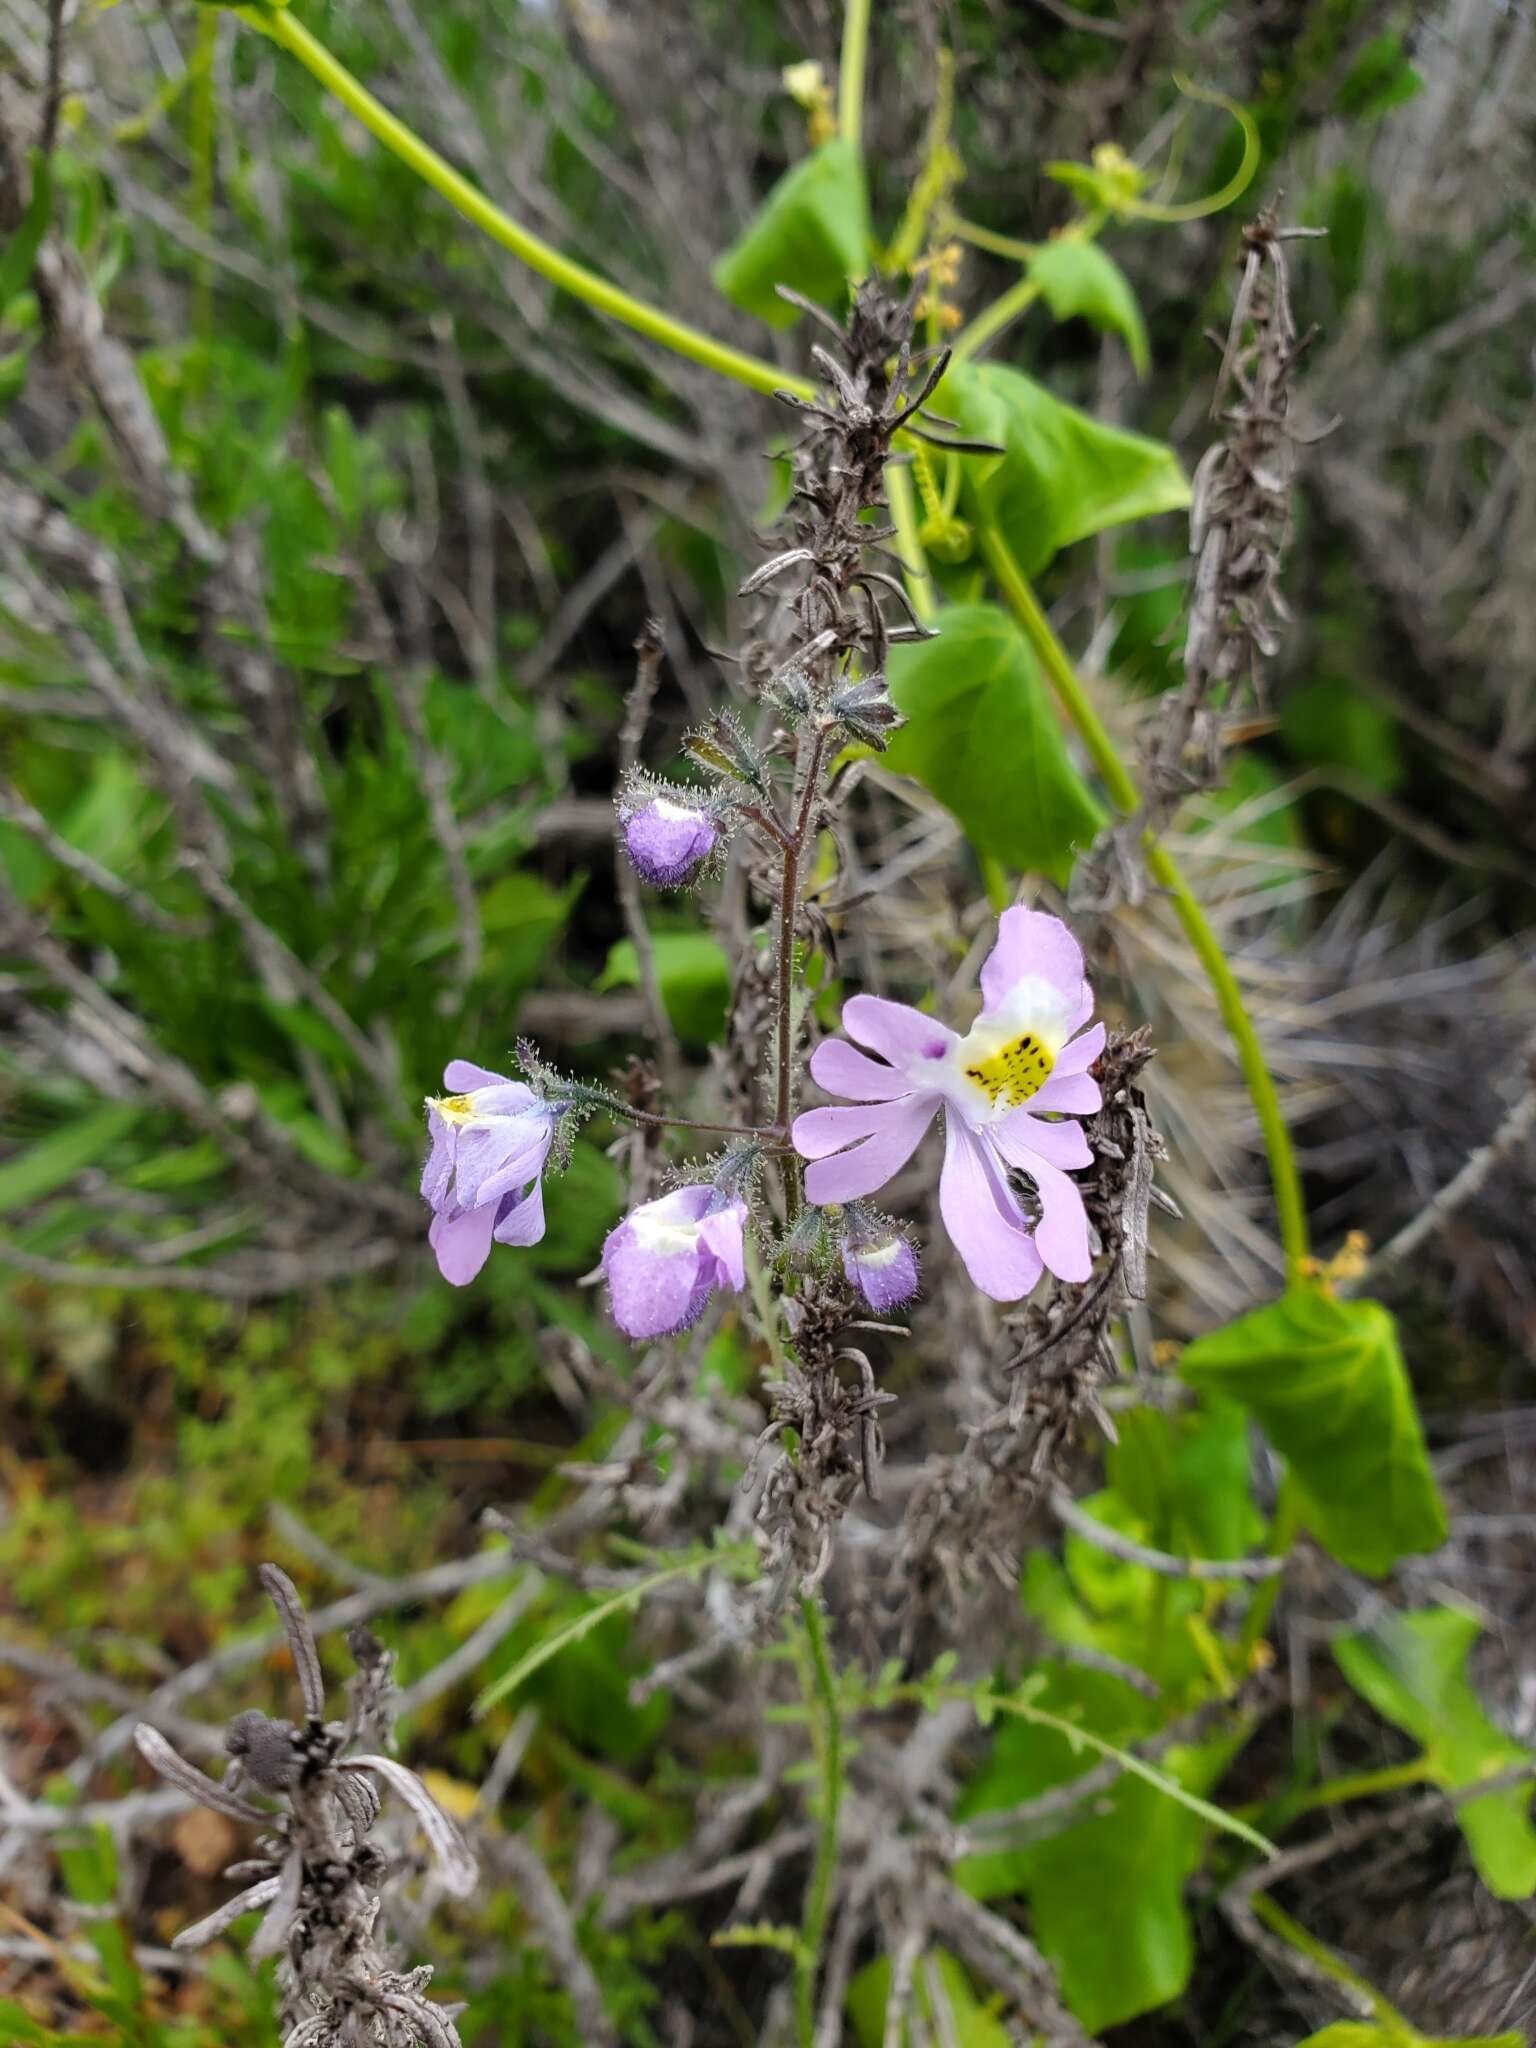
[821, 1698]
[1078, 705]
[1322, 1958]
[279, 25]
[850, 72]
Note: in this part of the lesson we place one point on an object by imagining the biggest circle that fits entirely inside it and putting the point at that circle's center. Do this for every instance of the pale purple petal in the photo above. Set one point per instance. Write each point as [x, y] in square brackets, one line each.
[870, 1165]
[1022, 1138]
[885, 1273]
[1076, 1093]
[650, 1295]
[503, 1099]
[437, 1174]
[904, 1035]
[1061, 1235]
[837, 1067]
[460, 1076]
[1031, 945]
[1080, 1055]
[820, 1131]
[520, 1218]
[982, 1219]
[493, 1160]
[683, 1205]
[721, 1236]
[462, 1242]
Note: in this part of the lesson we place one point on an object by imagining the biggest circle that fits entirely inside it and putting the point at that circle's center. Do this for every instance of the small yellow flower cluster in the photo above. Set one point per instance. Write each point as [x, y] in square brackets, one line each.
[806, 84]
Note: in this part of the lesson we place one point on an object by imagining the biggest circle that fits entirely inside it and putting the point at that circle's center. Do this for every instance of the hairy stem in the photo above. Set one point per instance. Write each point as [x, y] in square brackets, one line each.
[1284, 1175]
[822, 1699]
[789, 909]
[280, 26]
[654, 1121]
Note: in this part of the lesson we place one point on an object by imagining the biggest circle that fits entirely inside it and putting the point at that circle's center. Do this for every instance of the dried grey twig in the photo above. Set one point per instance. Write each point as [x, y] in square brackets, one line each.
[316, 1874]
[1239, 527]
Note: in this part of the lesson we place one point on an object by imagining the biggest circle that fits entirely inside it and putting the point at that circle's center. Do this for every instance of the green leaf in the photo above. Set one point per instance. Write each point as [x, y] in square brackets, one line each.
[965, 2021]
[1062, 475]
[981, 734]
[1331, 725]
[1380, 78]
[691, 1567]
[521, 917]
[1326, 1380]
[811, 232]
[20, 251]
[1134, 1846]
[1078, 279]
[54, 1161]
[694, 976]
[1413, 1670]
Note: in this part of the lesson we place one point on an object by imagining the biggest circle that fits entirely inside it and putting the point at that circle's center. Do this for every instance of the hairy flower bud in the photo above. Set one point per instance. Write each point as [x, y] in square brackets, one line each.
[667, 841]
[882, 1267]
[667, 1257]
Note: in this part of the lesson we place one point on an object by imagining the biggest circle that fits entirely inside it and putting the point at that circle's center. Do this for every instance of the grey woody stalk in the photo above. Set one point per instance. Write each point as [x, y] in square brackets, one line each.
[316, 1876]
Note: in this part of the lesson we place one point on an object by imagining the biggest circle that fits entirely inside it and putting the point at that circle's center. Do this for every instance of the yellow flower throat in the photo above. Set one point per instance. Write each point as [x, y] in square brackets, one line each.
[1014, 1072]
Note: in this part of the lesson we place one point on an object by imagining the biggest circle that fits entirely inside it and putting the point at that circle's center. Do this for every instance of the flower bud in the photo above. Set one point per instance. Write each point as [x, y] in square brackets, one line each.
[883, 1268]
[668, 842]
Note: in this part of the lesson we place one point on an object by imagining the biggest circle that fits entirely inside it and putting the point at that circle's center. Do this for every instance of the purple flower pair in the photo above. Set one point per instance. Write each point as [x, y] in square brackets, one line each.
[490, 1138]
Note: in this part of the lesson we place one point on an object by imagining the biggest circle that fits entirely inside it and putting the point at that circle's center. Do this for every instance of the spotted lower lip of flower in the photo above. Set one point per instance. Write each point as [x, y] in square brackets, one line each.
[883, 1269]
[666, 1258]
[1026, 1058]
[668, 842]
[490, 1138]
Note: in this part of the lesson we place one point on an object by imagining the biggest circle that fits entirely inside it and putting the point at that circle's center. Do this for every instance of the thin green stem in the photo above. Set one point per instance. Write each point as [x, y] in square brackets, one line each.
[1282, 1534]
[1359, 1785]
[1318, 1953]
[850, 72]
[280, 26]
[821, 1697]
[988, 238]
[202, 121]
[1078, 705]
[914, 563]
[991, 320]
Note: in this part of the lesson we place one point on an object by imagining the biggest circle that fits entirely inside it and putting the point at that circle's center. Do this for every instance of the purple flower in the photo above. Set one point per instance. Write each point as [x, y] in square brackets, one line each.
[666, 1258]
[490, 1138]
[1018, 1065]
[883, 1267]
[668, 842]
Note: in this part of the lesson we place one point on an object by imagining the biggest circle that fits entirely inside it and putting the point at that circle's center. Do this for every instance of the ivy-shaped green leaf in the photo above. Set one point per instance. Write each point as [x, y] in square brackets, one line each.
[1080, 280]
[1325, 1378]
[982, 736]
[811, 232]
[1062, 474]
[1135, 1847]
[1413, 1670]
